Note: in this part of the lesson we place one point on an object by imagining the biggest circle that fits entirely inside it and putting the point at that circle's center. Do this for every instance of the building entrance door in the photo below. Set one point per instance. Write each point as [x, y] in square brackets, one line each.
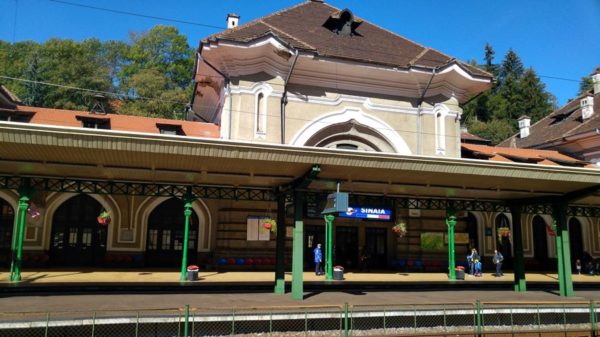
[346, 247]
[312, 236]
[375, 247]
[164, 245]
[77, 237]
[7, 221]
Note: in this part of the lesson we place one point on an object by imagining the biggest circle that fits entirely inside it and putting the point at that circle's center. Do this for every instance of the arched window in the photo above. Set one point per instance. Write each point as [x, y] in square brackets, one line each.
[440, 132]
[77, 237]
[503, 236]
[540, 241]
[7, 220]
[261, 114]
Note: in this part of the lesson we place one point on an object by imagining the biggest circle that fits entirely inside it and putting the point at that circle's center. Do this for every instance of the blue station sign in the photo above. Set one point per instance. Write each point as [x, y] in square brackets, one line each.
[374, 213]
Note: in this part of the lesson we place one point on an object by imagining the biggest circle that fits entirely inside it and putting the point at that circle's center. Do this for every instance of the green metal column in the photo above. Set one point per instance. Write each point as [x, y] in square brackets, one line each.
[329, 246]
[280, 246]
[451, 222]
[298, 248]
[17, 249]
[520, 284]
[187, 212]
[563, 250]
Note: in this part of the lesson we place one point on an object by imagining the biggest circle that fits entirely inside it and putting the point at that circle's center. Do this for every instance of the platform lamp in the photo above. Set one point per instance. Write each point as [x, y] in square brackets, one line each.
[336, 202]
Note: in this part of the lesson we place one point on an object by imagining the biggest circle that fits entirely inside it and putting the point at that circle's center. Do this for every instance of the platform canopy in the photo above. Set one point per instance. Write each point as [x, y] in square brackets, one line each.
[48, 151]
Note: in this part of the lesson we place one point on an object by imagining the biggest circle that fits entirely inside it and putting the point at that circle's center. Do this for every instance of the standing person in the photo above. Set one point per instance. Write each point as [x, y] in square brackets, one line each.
[471, 258]
[318, 260]
[497, 260]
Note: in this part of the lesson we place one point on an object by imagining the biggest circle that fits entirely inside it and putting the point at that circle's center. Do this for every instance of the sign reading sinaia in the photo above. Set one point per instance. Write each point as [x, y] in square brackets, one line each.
[367, 213]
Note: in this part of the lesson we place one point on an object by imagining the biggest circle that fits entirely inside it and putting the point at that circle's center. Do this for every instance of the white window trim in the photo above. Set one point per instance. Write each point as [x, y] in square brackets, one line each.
[440, 112]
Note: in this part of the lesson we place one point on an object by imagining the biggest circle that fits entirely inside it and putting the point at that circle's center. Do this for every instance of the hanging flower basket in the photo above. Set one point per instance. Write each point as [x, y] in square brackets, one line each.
[399, 229]
[270, 225]
[503, 232]
[104, 218]
[33, 212]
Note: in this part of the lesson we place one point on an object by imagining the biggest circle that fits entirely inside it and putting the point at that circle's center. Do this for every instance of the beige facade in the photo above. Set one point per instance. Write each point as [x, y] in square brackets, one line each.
[330, 117]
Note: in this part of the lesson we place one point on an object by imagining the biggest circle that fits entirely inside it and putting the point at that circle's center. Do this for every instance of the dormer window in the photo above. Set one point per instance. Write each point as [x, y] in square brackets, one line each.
[94, 123]
[6, 116]
[343, 23]
[170, 129]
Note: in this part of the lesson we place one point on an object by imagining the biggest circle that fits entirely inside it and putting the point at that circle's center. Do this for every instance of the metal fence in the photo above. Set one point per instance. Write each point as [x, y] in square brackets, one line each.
[461, 319]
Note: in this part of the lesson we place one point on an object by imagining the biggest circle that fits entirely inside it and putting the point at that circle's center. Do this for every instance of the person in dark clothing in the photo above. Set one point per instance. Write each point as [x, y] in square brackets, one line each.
[318, 260]
[497, 260]
[471, 259]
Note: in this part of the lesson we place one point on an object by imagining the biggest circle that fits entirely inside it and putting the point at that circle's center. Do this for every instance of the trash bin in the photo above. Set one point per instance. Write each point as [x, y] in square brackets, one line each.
[460, 273]
[192, 273]
[338, 273]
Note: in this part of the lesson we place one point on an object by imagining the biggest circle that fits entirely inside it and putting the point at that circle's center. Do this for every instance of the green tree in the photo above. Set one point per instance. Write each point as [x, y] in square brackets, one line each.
[534, 101]
[496, 130]
[511, 66]
[73, 64]
[34, 95]
[158, 66]
[585, 85]
[164, 102]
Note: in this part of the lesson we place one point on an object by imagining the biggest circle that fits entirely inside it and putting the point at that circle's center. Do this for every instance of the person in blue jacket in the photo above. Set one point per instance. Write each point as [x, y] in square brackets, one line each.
[318, 260]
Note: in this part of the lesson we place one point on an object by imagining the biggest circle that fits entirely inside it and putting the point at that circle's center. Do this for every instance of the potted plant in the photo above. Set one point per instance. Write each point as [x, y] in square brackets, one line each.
[270, 225]
[503, 232]
[104, 218]
[399, 229]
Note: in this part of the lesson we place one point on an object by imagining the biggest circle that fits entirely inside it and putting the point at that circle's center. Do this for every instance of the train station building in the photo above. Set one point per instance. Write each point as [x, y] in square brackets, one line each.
[287, 109]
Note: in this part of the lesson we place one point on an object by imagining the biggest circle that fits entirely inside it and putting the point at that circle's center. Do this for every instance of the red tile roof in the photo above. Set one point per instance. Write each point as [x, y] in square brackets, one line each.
[302, 27]
[510, 154]
[564, 122]
[72, 118]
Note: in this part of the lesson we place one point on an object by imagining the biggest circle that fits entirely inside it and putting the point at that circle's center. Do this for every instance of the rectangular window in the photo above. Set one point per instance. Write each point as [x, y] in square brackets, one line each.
[58, 240]
[170, 129]
[166, 240]
[94, 123]
[72, 237]
[86, 237]
[192, 243]
[152, 239]
[178, 242]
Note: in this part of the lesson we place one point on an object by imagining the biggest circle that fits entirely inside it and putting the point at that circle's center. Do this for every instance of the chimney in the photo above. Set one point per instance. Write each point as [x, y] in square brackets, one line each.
[596, 81]
[524, 123]
[232, 20]
[587, 104]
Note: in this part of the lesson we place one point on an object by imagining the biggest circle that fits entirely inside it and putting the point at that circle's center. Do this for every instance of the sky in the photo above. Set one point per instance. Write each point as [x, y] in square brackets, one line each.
[559, 39]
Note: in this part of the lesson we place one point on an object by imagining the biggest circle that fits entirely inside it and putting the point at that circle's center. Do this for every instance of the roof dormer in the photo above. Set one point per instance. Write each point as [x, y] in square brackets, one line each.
[343, 23]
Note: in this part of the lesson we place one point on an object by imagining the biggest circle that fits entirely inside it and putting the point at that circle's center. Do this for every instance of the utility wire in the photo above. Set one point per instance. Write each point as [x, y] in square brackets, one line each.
[252, 113]
[120, 96]
[221, 27]
[136, 14]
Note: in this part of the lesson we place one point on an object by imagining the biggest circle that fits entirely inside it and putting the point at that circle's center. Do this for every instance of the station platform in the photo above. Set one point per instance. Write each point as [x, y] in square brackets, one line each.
[79, 289]
[159, 280]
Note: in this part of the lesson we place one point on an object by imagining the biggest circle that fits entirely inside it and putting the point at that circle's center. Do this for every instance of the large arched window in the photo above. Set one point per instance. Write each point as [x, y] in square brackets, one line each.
[164, 242]
[77, 237]
[576, 239]
[7, 221]
[540, 241]
[503, 235]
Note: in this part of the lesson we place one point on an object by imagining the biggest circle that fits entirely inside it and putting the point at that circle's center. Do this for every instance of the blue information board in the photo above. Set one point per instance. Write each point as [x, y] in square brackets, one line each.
[372, 213]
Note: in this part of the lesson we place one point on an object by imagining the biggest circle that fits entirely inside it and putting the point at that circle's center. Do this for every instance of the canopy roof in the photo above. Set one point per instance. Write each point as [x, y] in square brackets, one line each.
[53, 151]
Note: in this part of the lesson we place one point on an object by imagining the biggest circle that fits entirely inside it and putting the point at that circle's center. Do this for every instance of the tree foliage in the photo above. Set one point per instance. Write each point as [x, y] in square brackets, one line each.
[156, 65]
[517, 92]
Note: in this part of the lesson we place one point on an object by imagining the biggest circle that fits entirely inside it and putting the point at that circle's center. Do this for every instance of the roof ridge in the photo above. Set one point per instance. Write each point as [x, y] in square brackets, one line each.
[258, 20]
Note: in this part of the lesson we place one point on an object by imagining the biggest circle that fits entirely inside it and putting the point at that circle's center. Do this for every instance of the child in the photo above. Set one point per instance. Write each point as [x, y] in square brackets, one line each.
[477, 267]
[578, 266]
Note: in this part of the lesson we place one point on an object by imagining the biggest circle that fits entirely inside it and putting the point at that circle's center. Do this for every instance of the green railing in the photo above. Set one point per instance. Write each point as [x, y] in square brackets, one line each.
[466, 319]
